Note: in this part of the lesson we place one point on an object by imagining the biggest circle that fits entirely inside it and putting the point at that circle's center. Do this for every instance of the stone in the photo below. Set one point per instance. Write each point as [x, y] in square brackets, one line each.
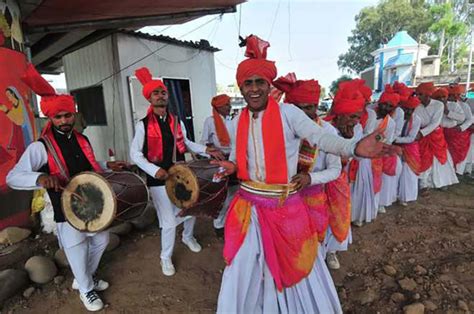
[61, 259]
[390, 270]
[407, 284]
[12, 235]
[415, 308]
[12, 281]
[463, 305]
[366, 296]
[461, 222]
[416, 296]
[397, 297]
[114, 242]
[411, 260]
[58, 280]
[40, 269]
[121, 229]
[430, 306]
[147, 218]
[420, 270]
[28, 292]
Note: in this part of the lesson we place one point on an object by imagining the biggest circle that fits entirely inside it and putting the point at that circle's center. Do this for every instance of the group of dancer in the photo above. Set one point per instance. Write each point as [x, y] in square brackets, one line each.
[302, 178]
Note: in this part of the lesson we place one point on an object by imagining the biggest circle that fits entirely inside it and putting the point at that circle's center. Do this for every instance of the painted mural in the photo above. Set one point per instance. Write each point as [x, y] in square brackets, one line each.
[17, 127]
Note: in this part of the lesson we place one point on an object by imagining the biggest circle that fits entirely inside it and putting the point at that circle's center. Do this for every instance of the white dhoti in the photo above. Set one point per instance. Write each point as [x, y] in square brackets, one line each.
[219, 222]
[363, 200]
[248, 286]
[389, 191]
[168, 219]
[438, 175]
[83, 251]
[408, 184]
[331, 244]
[470, 157]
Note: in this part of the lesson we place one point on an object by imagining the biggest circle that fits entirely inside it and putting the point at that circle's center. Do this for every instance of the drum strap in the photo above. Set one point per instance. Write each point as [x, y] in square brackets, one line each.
[55, 156]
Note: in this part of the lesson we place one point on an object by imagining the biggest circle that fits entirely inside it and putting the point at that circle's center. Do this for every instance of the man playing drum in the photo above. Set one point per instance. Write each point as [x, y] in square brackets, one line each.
[216, 134]
[159, 141]
[49, 163]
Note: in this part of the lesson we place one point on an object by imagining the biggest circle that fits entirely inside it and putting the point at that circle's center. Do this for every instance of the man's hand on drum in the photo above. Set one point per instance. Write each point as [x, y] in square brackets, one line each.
[228, 166]
[118, 165]
[49, 182]
[215, 153]
[161, 174]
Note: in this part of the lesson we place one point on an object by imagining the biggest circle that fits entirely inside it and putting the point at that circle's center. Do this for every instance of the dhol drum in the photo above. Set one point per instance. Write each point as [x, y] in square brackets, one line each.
[92, 201]
[191, 188]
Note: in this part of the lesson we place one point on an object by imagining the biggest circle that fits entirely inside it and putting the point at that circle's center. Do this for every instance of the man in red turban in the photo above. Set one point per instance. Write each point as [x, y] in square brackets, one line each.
[436, 169]
[271, 237]
[411, 159]
[160, 140]
[216, 133]
[49, 163]
[458, 135]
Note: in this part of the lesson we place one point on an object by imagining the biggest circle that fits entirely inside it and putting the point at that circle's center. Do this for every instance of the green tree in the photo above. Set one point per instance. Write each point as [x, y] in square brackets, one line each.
[375, 25]
[335, 84]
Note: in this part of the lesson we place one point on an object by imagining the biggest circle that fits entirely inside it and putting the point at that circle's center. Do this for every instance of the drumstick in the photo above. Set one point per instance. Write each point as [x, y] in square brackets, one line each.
[73, 194]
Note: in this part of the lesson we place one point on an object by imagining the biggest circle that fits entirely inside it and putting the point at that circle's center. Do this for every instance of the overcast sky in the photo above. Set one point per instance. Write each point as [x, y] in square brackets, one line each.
[306, 36]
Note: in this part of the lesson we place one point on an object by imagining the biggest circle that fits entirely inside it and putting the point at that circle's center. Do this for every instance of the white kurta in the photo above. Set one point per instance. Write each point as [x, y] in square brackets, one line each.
[363, 200]
[408, 181]
[437, 175]
[247, 284]
[83, 249]
[470, 155]
[461, 166]
[209, 136]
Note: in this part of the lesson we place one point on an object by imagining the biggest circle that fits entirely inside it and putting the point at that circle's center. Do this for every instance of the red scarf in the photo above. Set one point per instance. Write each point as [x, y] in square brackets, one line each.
[273, 145]
[57, 166]
[433, 145]
[459, 143]
[221, 130]
[155, 140]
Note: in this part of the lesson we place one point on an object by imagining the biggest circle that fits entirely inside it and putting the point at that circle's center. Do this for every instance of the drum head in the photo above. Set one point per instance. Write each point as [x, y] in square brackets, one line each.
[182, 186]
[88, 202]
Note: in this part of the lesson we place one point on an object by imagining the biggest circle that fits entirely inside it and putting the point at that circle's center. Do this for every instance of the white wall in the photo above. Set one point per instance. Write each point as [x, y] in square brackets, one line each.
[86, 67]
[170, 61]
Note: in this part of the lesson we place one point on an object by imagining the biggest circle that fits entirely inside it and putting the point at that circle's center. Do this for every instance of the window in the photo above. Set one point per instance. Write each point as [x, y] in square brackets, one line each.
[90, 102]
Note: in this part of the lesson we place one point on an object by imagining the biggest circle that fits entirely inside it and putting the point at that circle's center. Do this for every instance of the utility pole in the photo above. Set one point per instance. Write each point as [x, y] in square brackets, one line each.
[469, 65]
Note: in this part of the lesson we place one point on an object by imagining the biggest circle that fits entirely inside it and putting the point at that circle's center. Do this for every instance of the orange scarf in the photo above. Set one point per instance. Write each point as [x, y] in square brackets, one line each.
[221, 130]
[273, 145]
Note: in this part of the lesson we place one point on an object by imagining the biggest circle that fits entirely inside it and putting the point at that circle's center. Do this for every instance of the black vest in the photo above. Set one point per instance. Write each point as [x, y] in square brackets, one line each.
[167, 142]
[76, 162]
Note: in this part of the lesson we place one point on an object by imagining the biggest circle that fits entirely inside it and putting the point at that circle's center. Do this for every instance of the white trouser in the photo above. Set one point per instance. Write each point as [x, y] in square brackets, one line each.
[168, 237]
[219, 222]
[168, 219]
[83, 257]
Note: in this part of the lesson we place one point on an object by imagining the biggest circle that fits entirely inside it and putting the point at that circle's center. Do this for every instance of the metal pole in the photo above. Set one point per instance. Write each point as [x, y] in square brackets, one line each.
[469, 65]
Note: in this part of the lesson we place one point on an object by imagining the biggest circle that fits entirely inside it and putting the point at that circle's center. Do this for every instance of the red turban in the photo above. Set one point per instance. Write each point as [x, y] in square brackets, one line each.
[51, 103]
[389, 96]
[364, 89]
[402, 90]
[425, 89]
[298, 91]
[149, 84]
[256, 64]
[455, 90]
[220, 101]
[411, 103]
[441, 92]
[348, 99]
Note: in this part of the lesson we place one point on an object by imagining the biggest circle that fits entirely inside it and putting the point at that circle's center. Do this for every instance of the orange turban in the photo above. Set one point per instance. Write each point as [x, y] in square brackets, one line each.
[455, 90]
[220, 101]
[348, 99]
[51, 103]
[425, 89]
[298, 91]
[149, 84]
[363, 89]
[411, 103]
[402, 90]
[256, 64]
[389, 96]
[441, 92]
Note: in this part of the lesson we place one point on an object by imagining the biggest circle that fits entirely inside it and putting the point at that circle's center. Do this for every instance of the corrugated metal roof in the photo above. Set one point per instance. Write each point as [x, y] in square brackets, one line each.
[398, 60]
[201, 45]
